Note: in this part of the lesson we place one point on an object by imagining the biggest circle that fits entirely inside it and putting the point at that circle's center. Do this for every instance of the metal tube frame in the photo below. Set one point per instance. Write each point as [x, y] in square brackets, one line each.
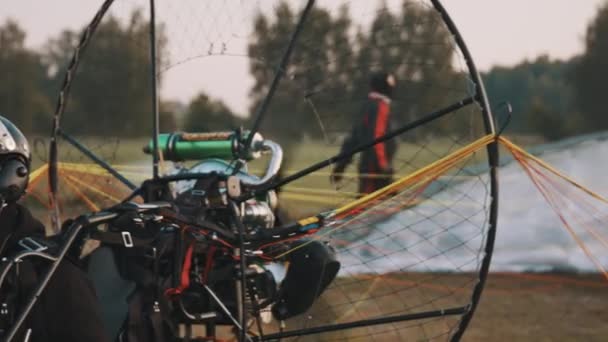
[493, 159]
[62, 100]
[367, 323]
[154, 80]
[480, 97]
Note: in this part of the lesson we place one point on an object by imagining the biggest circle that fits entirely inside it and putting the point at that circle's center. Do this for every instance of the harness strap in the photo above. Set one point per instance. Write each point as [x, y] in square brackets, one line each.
[156, 320]
[117, 238]
[135, 313]
[185, 275]
[145, 322]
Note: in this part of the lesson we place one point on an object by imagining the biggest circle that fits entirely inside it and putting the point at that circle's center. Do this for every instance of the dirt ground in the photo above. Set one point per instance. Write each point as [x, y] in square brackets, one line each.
[542, 307]
[514, 307]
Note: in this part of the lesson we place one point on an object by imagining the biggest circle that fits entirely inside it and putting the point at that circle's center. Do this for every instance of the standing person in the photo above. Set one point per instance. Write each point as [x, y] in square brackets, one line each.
[375, 163]
[68, 308]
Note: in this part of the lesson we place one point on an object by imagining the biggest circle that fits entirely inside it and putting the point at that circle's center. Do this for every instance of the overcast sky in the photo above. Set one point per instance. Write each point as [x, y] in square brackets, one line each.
[498, 32]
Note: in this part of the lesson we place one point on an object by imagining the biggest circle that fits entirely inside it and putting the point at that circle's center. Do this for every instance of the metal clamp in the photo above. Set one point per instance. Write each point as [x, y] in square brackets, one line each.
[151, 253]
[126, 239]
[32, 245]
[200, 193]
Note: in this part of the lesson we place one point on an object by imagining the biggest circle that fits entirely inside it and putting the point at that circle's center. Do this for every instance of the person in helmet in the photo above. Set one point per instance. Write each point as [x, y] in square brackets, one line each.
[68, 308]
[375, 163]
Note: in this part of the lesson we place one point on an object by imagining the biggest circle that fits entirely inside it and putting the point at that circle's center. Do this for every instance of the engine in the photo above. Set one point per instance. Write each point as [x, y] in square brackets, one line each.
[208, 275]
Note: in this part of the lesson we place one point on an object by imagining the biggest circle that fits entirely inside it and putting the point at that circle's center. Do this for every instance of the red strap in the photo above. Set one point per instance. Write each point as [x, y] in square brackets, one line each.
[185, 276]
[380, 130]
[208, 264]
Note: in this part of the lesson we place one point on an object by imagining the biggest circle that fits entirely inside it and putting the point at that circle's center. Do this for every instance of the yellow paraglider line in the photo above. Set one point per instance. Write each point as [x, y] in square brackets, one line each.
[442, 164]
[294, 189]
[311, 198]
[36, 174]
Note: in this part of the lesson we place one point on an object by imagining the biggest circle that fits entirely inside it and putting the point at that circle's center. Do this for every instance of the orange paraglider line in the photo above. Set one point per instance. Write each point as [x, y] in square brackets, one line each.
[580, 200]
[39, 199]
[92, 206]
[550, 199]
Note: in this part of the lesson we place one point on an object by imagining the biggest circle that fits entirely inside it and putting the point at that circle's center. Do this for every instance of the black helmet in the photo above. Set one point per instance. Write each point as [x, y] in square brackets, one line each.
[15, 160]
[383, 83]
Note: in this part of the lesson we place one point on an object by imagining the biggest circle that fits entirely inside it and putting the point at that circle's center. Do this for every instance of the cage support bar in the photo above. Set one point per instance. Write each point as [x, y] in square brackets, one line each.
[278, 75]
[241, 284]
[367, 323]
[155, 119]
[97, 160]
[339, 157]
[62, 101]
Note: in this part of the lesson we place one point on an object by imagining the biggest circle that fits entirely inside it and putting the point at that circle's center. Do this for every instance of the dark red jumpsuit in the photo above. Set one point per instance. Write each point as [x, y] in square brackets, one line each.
[375, 163]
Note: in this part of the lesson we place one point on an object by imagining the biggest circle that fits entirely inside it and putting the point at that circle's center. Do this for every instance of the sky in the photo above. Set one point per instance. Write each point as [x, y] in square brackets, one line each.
[497, 32]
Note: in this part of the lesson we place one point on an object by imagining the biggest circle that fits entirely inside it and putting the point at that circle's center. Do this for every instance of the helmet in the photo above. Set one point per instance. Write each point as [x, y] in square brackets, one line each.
[383, 83]
[15, 158]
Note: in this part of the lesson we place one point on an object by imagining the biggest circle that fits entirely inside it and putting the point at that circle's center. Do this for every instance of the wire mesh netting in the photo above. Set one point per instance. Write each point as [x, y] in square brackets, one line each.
[83, 185]
[417, 248]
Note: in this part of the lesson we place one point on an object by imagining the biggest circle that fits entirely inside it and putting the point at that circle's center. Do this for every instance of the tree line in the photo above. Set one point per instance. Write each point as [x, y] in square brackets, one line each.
[111, 93]
[327, 76]
[554, 98]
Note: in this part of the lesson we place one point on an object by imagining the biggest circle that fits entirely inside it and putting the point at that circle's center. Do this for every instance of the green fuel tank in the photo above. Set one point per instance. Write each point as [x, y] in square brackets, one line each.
[199, 146]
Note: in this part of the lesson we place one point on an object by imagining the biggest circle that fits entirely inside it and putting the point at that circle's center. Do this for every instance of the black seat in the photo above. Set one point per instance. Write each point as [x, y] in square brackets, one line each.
[112, 290]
